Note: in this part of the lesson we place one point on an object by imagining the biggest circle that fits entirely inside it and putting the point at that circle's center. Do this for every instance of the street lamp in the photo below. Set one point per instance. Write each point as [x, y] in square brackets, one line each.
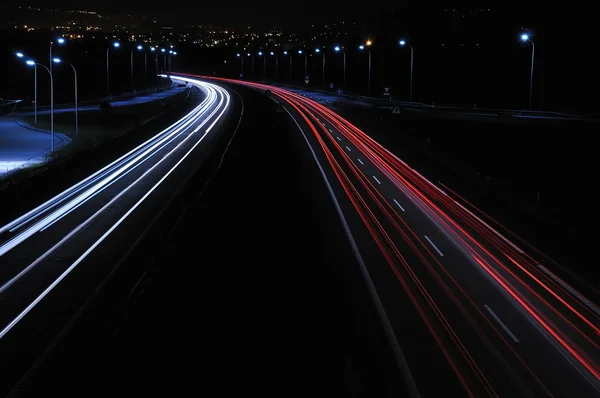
[242, 59]
[260, 54]
[318, 50]
[361, 47]
[250, 55]
[139, 48]
[164, 51]
[31, 62]
[291, 60]
[58, 61]
[35, 116]
[171, 54]
[338, 49]
[403, 43]
[272, 53]
[300, 52]
[153, 49]
[526, 38]
[116, 44]
[60, 40]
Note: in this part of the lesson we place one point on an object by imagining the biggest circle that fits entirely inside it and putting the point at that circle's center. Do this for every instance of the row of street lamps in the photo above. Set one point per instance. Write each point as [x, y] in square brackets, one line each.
[366, 46]
[55, 60]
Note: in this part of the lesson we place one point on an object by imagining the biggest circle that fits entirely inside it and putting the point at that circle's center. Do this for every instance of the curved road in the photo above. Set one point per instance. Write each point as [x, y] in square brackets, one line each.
[473, 311]
[53, 257]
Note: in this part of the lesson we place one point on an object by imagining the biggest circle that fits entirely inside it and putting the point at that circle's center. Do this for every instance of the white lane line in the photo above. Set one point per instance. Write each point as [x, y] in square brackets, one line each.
[506, 329]
[8, 327]
[574, 292]
[398, 204]
[434, 246]
[349, 150]
[338, 138]
[378, 182]
[330, 131]
[360, 161]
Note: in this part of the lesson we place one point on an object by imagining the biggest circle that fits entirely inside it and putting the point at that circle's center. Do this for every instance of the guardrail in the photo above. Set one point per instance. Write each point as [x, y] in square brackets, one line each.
[119, 97]
[380, 102]
[8, 106]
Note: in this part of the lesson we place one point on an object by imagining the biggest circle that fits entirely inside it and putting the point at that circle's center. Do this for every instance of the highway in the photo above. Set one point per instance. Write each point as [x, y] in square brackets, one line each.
[461, 295]
[53, 257]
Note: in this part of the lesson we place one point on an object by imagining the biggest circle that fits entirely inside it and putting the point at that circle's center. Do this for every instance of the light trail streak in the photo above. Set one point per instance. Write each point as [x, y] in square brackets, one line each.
[559, 310]
[186, 130]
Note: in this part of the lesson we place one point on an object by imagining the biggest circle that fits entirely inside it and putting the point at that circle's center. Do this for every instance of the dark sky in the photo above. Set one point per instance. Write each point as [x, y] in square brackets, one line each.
[236, 11]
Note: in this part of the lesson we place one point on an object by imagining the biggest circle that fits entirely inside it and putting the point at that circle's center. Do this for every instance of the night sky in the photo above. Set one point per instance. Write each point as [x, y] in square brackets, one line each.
[237, 12]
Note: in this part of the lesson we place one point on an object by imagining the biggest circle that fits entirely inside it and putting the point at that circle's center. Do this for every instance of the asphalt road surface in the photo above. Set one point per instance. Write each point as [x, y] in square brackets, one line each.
[53, 257]
[21, 144]
[471, 311]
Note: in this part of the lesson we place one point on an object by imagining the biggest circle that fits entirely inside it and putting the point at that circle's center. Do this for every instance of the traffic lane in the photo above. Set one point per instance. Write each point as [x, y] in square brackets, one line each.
[423, 355]
[479, 337]
[514, 265]
[34, 247]
[142, 99]
[103, 176]
[115, 203]
[24, 343]
[537, 348]
[138, 150]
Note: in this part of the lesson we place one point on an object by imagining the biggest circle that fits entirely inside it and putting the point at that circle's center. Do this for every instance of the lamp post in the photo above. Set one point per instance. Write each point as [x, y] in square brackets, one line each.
[153, 49]
[525, 37]
[276, 64]
[300, 52]
[35, 90]
[139, 48]
[260, 54]
[116, 44]
[58, 61]
[145, 68]
[60, 40]
[318, 50]
[242, 64]
[338, 49]
[250, 55]
[291, 59]
[31, 62]
[410, 92]
[362, 47]
[164, 51]
[169, 61]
